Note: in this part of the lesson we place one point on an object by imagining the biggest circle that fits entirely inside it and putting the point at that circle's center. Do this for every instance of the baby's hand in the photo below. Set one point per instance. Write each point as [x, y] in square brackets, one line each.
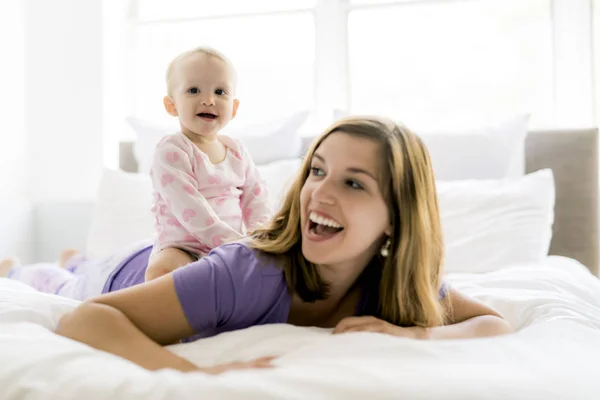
[264, 362]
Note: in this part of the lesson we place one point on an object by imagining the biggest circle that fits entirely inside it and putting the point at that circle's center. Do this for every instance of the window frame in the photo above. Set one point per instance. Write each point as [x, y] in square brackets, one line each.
[574, 86]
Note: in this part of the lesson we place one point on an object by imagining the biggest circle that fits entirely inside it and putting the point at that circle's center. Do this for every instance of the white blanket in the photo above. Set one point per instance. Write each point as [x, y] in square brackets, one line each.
[555, 306]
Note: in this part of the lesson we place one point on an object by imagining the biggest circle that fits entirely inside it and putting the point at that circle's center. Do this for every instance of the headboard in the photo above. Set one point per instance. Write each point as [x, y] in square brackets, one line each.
[573, 157]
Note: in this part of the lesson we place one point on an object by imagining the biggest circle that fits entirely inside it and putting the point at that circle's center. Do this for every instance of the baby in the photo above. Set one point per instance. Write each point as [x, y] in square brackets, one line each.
[207, 189]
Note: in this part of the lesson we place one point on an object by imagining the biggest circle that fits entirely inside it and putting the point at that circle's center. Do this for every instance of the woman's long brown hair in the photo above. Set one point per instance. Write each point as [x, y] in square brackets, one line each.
[410, 276]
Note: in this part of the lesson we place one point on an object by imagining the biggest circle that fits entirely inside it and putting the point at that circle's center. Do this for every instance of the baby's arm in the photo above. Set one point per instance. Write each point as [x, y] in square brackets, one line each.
[173, 179]
[255, 200]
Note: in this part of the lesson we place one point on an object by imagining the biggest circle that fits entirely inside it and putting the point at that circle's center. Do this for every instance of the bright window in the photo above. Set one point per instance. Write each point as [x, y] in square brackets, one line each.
[452, 60]
[273, 55]
[160, 10]
[426, 62]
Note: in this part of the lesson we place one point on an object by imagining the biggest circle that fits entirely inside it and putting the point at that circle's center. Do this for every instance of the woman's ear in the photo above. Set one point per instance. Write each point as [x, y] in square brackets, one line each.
[388, 231]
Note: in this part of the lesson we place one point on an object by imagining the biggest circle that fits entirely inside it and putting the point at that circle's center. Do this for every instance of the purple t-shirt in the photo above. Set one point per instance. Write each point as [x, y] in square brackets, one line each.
[233, 287]
[230, 288]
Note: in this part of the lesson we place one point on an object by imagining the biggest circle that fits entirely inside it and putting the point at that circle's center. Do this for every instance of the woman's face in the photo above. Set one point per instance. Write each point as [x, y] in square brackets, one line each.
[343, 213]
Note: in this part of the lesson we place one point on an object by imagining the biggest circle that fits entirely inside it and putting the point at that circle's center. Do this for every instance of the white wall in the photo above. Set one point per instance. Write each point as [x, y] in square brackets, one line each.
[118, 66]
[16, 219]
[63, 111]
[64, 97]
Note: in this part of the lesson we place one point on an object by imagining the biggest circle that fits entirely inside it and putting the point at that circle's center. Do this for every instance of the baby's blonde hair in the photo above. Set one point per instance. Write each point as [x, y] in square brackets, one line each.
[209, 51]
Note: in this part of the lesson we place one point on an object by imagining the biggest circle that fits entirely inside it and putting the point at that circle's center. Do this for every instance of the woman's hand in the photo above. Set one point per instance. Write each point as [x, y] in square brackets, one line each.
[264, 362]
[373, 324]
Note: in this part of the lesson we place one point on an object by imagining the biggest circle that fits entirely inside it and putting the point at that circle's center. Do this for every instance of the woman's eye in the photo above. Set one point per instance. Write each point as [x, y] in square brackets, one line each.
[354, 185]
[193, 90]
[219, 92]
[317, 171]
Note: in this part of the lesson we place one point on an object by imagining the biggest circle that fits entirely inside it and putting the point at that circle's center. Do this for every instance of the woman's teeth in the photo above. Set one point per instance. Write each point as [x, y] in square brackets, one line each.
[317, 219]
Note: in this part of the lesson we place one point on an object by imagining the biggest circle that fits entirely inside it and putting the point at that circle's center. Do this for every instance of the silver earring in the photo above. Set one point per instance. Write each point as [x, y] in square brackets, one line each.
[385, 249]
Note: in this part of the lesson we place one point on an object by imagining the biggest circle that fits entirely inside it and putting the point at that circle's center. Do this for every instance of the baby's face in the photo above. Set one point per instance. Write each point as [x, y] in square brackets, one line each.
[203, 88]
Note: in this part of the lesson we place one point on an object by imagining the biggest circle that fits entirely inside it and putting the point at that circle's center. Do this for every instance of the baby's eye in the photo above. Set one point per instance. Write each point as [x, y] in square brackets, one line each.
[220, 92]
[193, 90]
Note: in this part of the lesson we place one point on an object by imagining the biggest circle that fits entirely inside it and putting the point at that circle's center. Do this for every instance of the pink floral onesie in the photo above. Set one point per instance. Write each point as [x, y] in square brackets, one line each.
[200, 205]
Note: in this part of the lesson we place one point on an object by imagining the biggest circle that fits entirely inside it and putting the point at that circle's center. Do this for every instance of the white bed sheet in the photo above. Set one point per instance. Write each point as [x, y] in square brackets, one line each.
[554, 355]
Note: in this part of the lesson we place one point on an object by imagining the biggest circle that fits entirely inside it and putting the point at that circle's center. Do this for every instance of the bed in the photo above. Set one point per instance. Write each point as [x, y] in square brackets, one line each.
[553, 304]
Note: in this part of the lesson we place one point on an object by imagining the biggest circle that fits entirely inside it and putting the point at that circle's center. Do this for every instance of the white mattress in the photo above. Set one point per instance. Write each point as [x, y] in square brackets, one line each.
[554, 355]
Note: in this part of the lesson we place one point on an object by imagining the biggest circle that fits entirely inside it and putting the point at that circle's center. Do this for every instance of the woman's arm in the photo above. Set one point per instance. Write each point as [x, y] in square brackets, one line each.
[467, 318]
[133, 323]
[108, 329]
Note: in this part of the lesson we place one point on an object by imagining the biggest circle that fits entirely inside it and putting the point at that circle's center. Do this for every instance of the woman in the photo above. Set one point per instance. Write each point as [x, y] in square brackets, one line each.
[356, 246]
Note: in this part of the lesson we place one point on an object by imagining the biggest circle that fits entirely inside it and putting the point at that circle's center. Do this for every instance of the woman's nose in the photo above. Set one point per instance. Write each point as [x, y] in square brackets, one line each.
[324, 192]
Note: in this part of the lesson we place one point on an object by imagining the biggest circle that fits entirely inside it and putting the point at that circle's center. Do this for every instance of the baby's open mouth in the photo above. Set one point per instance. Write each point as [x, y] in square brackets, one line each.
[322, 226]
[206, 115]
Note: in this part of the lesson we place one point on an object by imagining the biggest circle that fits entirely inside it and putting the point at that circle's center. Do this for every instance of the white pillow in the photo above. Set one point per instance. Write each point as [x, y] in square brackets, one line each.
[487, 224]
[266, 142]
[491, 224]
[278, 176]
[147, 136]
[270, 141]
[122, 213]
[492, 152]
